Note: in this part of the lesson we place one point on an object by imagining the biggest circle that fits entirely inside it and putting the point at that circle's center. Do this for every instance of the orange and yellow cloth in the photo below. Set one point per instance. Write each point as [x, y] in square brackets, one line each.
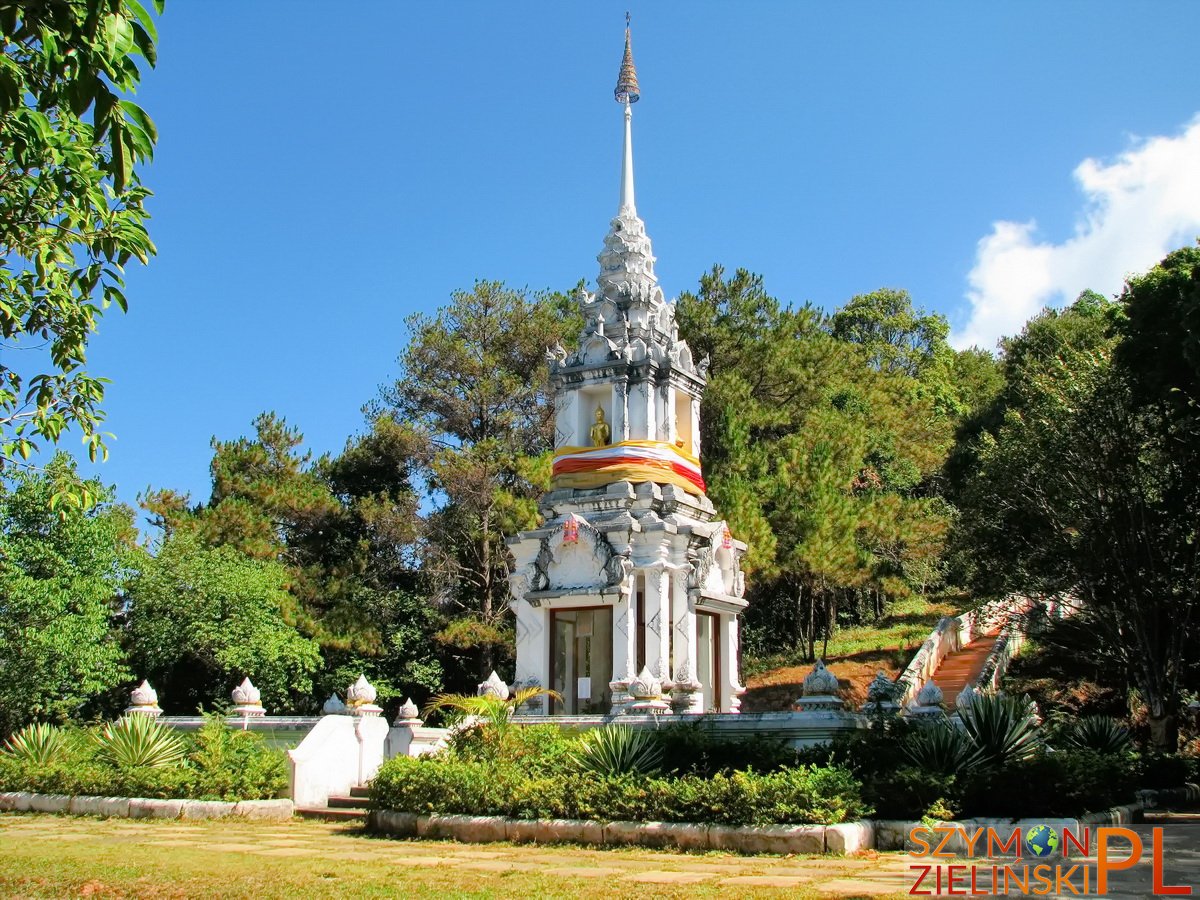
[656, 461]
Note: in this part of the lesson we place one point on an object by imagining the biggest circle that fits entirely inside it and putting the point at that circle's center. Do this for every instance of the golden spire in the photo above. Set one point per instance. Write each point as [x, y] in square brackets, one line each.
[627, 83]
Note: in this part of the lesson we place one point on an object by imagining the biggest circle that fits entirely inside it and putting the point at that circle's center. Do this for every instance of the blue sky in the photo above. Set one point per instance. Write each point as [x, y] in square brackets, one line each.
[325, 170]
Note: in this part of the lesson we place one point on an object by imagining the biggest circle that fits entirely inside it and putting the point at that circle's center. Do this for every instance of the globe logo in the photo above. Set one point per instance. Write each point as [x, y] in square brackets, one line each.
[1041, 840]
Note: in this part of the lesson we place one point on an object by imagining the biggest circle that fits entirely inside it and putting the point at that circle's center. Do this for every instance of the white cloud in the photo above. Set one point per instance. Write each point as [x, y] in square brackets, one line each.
[1138, 207]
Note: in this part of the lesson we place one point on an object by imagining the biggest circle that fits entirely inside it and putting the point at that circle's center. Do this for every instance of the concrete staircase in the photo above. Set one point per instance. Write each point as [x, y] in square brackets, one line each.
[961, 668]
[341, 809]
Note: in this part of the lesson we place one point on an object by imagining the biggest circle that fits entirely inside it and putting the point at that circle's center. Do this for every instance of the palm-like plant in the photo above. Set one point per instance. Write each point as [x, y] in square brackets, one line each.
[489, 710]
[139, 741]
[1002, 728]
[619, 750]
[1102, 734]
[943, 749]
[38, 744]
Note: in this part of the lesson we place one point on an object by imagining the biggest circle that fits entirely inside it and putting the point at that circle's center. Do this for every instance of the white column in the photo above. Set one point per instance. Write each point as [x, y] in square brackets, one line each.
[658, 621]
[729, 677]
[533, 648]
[684, 652]
[662, 420]
[645, 399]
[620, 408]
[625, 639]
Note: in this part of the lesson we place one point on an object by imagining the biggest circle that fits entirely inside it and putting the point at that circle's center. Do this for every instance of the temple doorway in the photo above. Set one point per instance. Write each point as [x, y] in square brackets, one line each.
[581, 647]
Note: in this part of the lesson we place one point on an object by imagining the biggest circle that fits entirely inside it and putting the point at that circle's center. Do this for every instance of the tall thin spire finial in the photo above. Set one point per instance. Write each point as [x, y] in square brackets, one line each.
[627, 93]
[627, 82]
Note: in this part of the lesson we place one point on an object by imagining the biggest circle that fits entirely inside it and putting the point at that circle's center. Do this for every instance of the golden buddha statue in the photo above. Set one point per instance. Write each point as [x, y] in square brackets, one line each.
[601, 434]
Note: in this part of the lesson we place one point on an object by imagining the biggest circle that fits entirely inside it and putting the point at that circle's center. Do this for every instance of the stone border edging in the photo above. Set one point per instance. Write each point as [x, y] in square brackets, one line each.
[848, 837]
[145, 807]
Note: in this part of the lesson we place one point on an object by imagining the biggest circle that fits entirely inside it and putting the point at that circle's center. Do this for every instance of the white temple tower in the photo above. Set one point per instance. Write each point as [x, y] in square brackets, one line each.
[631, 574]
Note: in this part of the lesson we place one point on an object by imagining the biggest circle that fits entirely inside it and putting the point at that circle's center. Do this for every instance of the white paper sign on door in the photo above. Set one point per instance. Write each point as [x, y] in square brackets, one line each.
[583, 688]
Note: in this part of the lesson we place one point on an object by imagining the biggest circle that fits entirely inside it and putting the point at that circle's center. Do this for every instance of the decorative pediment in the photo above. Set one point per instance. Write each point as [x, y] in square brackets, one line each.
[574, 555]
[681, 356]
[596, 350]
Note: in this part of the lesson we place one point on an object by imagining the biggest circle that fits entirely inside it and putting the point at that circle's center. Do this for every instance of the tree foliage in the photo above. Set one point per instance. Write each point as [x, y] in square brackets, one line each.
[1082, 477]
[345, 529]
[61, 577]
[821, 445]
[201, 619]
[474, 381]
[72, 209]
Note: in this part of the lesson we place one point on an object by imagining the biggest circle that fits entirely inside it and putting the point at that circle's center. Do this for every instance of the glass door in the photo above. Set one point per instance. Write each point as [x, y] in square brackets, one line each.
[581, 660]
[708, 660]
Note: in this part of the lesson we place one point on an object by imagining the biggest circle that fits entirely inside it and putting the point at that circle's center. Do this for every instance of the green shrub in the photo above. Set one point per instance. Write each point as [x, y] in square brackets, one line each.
[1162, 770]
[619, 750]
[38, 744]
[803, 794]
[219, 764]
[693, 748]
[231, 764]
[537, 748]
[1051, 784]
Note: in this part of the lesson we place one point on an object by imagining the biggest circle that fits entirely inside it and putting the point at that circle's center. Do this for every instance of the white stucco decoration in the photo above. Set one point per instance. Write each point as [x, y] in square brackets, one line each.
[580, 563]
[246, 694]
[361, 692]
[143, 695]
[930, 695]
[494, 687]
[247, 699]
[882, 689]
[143, 701]
[820, 682]
[645, 686]
[334, 706]
[408, 712]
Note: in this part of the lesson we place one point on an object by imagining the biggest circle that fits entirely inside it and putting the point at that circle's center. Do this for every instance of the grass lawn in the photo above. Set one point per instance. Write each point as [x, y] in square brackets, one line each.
[53, 856]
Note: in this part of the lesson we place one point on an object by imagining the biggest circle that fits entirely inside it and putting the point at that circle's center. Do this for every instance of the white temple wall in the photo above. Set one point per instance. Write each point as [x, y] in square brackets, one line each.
[641, 412]
[533, 648]
[566, 416]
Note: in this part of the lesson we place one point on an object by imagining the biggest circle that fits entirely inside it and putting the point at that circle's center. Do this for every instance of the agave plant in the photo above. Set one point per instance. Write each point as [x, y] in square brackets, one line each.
[619, 750]
[139, 741]
[38, 744]
[1002, 728]
[1103, 734]
[942, 749]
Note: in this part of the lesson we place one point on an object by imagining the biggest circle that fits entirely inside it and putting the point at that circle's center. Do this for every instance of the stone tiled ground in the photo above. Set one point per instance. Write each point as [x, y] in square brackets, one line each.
[49, 856]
